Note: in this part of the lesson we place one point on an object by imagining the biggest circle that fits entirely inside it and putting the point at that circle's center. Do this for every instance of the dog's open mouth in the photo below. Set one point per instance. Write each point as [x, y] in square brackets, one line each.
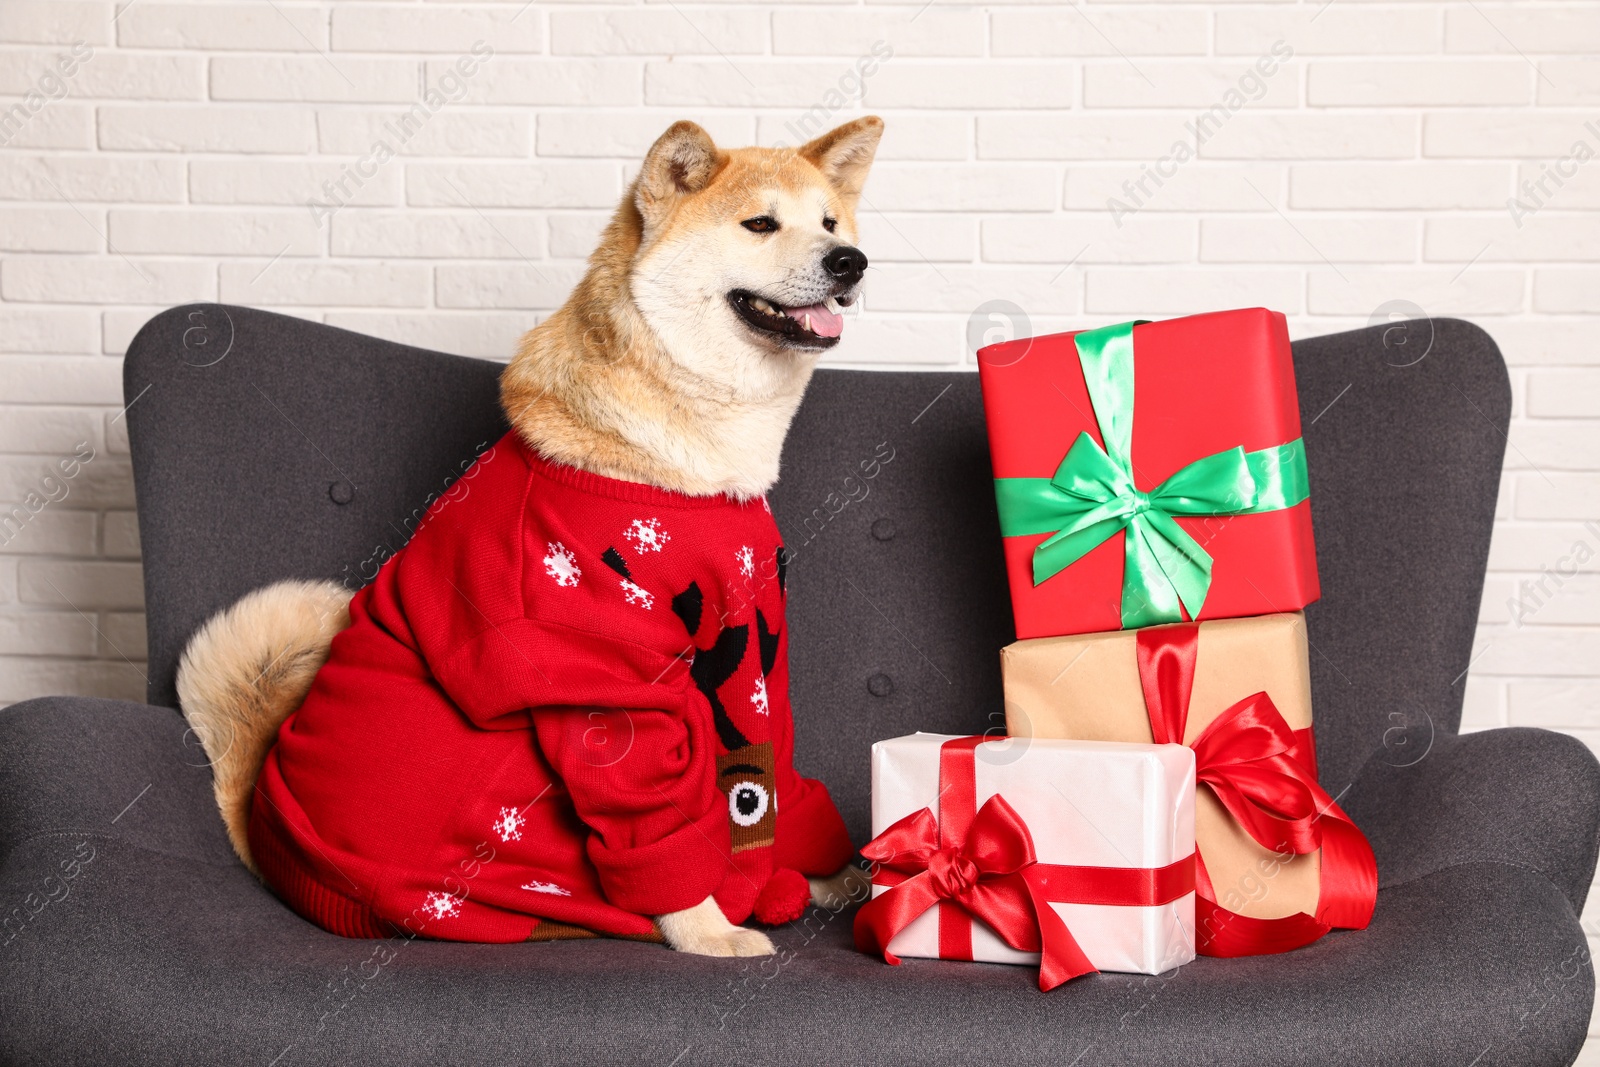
[813, 326]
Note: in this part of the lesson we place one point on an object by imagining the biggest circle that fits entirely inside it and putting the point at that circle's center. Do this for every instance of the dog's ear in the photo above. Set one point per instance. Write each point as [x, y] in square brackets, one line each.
[844, 154]
[682, 161]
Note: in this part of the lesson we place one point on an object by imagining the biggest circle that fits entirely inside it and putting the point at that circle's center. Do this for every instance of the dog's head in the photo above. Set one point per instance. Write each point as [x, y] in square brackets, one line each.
[746, 256]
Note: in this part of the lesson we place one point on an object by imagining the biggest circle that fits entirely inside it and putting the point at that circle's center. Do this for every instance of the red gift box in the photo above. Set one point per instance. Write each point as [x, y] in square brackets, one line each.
[1196, 508]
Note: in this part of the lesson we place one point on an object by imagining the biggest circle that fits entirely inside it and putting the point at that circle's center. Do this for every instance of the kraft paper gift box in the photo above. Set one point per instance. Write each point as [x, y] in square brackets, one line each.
[1111, 829]
[1203, 684]
[1148, 473]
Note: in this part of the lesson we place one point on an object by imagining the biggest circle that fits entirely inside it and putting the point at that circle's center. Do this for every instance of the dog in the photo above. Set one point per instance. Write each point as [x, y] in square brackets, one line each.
[346, 732]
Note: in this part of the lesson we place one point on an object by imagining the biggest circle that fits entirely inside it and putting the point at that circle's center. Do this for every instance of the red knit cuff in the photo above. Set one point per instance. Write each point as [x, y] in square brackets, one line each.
[674, 873]
[811, 837]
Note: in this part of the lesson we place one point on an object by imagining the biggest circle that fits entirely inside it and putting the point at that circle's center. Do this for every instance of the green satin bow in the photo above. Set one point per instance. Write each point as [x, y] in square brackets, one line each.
[1092, 495]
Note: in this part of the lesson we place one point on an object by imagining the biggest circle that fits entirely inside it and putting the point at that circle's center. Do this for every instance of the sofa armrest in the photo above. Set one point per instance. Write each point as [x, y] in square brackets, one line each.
[108, 769]
[1525, 797]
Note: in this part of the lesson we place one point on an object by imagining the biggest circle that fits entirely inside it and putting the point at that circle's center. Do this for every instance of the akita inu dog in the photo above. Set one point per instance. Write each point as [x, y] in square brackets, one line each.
[431, 755]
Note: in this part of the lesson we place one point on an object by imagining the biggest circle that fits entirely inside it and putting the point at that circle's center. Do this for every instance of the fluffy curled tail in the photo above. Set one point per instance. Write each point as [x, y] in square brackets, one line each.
[244, 672]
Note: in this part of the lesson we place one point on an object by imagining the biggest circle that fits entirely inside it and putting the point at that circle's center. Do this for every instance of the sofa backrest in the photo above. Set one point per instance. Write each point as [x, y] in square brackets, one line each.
[267, 447]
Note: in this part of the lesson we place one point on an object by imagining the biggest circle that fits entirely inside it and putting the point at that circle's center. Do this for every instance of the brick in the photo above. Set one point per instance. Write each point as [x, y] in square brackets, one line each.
[1552, 651]
[1087, 238]
[924, 137]
[385, 28]
[46, 431]
[342, 79]
[900, 238]
[1480, 291]
[54, 529]
[1541, 343]
[1178, 291]
[827, 85]
[220, 27]
[121, 532]
[227, 181]
[122, 636]
[56, 125]
[8, 581]
[1564, 393]
[1025, 85]
[1302, 135]
[52, 229]
[967, 187]
[897, 341]
[57, 22]
[1484, 705]
[116, 433]
[1399, 185]
[1557, 495]
[629, 134]
[1556, 444]
[635, 31]
[886, 35]
[344, 282]
[1071, 31]
[460, 234]
[509, 81]
[1079, 135]
[445, 132]
[85, 585]
[923, 288]
[1554, 704]
[60, 380]
[1250, 239]
[46, 330]
[1418, 82]
[1569, 82]
[1504, 30]
[206, 128]
[46, 633]
[486, 185]
[84, 178]
[81, 280]
[23, 678]
[574, 234]
[97, 481]
[521, 286]
[215, 232]
[1328, 29]
[1228, 87]
[1536, 546]
[1545, 237]
[1194, 186]
[1500, 134]
[1567, 290]
[477, 333]
[1542, 185]
[110, 75]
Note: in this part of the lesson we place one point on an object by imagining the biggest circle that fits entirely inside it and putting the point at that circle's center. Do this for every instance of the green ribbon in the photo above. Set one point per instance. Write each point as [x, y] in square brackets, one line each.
[1092, 496]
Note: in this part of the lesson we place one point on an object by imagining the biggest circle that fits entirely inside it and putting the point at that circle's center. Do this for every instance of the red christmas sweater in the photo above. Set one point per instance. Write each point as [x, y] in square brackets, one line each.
[565, 699]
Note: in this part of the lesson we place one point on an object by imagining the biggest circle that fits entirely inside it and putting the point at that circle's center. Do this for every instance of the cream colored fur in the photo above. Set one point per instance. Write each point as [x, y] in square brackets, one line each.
[645, 374]
[242, 674]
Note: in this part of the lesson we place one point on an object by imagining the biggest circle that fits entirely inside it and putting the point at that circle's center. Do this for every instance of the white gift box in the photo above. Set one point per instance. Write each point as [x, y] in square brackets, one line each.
[1086, 804]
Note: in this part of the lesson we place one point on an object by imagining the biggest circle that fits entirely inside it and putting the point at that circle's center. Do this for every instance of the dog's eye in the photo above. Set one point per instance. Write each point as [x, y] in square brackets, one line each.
[828, 224]
[761, 224]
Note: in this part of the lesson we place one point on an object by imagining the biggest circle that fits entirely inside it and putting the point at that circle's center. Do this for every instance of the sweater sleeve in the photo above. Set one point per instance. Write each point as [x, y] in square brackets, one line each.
[810, 834]
[627, 734]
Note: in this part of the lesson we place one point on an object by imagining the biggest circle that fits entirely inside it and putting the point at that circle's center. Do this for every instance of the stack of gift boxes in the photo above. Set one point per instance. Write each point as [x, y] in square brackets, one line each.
[1156, 794]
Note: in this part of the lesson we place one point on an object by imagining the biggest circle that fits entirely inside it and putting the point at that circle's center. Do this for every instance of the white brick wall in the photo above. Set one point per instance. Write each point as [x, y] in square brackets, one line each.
[176, 163]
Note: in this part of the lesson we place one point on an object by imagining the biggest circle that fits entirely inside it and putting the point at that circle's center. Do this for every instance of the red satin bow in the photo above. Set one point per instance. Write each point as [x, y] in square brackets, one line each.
[1265, 775]
[986, 875]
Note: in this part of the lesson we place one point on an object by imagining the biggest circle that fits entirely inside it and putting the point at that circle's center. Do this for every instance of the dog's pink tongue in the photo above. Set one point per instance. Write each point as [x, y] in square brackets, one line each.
[824, 323]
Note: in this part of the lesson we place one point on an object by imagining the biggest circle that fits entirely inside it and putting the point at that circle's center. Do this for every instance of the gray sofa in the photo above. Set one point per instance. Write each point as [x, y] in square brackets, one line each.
[267, 447]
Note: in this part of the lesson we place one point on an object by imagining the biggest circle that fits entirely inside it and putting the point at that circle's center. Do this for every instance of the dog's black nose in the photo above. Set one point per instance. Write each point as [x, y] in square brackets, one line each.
[846, 264]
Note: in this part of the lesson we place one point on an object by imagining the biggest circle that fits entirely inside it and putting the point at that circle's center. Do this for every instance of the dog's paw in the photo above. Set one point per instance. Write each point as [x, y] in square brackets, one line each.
[704, 931]
[850, 885]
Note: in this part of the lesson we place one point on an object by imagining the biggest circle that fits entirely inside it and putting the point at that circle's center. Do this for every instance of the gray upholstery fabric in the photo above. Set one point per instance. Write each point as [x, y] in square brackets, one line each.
[267, 447]
[164, 950]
